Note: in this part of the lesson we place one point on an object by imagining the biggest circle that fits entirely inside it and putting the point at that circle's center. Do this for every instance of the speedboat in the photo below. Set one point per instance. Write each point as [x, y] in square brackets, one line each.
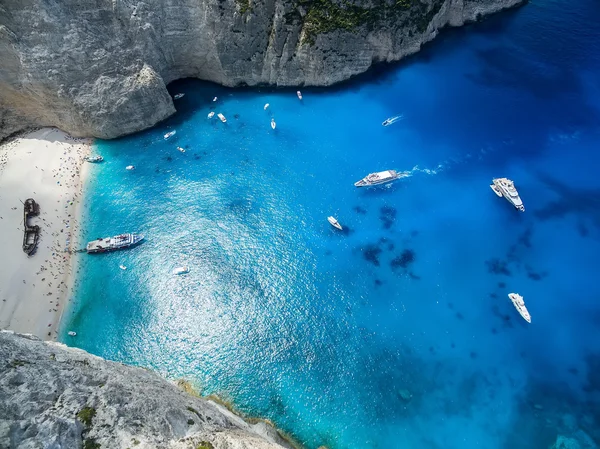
[215, 99]
[71, 333]
[382, 177]
[181, 149]
[391, 120]
[333, 222]
[211, 114]
[299, 95]
[273, 124]
[504, 187]
[94, 158]
[266, 106]
[170, 134]
[222, 117]
[178, 96]
[519, 304]
[122, 267]
[130, 167]
[181, 270]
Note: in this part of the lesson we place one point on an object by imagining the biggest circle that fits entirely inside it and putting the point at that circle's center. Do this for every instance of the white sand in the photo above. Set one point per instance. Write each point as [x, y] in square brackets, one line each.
[45, 165]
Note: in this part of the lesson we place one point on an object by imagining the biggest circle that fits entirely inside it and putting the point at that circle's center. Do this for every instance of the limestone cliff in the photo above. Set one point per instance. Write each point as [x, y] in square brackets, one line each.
[52, 396]
[99, 67]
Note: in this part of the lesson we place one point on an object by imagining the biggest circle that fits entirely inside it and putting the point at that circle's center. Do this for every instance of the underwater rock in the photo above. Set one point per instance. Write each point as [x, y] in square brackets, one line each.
[405, 395]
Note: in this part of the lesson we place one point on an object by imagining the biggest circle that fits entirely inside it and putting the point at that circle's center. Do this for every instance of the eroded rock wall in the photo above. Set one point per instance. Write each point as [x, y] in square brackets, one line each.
[52, 396]
[99, 67]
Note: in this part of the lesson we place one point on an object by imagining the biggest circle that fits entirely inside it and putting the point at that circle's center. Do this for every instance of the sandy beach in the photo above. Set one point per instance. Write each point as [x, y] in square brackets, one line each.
[46, 165]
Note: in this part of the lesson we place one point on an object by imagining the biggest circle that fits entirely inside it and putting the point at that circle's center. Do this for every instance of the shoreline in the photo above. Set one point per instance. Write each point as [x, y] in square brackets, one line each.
[48, 166]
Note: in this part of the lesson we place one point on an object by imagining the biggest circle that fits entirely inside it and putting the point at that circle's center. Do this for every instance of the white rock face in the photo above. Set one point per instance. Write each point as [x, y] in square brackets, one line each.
[44, 386]
[99, 67]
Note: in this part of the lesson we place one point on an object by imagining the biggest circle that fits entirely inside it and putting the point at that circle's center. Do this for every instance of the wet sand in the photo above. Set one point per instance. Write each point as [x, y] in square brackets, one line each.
[46, 165]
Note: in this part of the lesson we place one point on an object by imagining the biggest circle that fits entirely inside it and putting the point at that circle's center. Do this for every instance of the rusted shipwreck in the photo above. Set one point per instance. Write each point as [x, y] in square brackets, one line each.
[32, 233]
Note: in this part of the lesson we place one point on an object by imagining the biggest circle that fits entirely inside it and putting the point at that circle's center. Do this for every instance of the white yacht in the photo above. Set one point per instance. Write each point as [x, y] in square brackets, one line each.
[504, 187]
[94, 158]
[72, 333]
[374, 179]
[299, 95]
[273, 124]
[266, 106]
[215, 99]
[181, 270]
[170, 134]
[181, 149]
[333, 222]
[178, 96]
[222, 117]
[122, 241]
[211, 114]
[130, 167]
[519, 304]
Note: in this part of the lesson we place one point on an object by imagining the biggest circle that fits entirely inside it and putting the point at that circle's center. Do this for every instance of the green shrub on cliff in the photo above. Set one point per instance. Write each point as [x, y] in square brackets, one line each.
[324, 16]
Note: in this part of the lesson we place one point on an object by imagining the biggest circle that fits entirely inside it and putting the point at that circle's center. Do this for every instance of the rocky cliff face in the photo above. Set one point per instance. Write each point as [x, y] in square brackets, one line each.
[99, 67]
[52, 396]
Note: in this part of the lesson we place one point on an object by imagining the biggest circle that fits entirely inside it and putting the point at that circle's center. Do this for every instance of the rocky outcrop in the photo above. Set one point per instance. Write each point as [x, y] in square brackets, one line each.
[53, 396]
[100, 67]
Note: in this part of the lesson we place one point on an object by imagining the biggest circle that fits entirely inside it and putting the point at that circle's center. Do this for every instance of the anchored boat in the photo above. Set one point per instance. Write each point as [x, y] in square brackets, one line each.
[299, 95]
[519, 304]
[181, 270]
[94, 158]
[333, 222]
[273, 124]
[117, 242]
[504, 187]
[211, 114]
[382, 177]
[222, 117]
[170, 134]
[178, 96]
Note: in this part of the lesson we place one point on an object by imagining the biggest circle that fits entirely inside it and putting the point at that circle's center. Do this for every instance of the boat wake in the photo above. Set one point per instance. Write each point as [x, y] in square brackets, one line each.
[392, 120]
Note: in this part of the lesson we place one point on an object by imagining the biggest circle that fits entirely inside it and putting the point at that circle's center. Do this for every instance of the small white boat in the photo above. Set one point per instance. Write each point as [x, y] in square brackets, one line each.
[71, 333]
[130, 167]
[273, 124]
[333, 222]
[170, 134]
[519, 304]
[299, 95]
[122, 267]
[222, 117]
[266, 106]
[94, 158]
[215, 99]
[211, 114]
[181, 270]
[178, 96]
[391, 120]
[181, 149]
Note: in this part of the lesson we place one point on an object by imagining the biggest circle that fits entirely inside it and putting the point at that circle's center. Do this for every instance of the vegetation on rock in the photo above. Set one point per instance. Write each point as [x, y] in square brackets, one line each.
[86, 415]
[324, 16]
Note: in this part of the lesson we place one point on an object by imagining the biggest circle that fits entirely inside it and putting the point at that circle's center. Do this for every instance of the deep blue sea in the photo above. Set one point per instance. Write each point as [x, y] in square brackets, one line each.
[398, 332]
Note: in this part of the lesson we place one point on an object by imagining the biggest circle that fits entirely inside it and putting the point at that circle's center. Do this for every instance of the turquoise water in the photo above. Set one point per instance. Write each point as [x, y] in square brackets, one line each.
[398, 332]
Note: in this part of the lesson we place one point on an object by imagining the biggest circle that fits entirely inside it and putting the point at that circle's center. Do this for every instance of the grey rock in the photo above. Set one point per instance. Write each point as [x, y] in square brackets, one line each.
[45, 385]
[100, 68]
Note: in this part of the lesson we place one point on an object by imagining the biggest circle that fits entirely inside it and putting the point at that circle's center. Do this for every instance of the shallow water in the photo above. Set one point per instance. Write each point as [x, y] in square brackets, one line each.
[397, 332]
